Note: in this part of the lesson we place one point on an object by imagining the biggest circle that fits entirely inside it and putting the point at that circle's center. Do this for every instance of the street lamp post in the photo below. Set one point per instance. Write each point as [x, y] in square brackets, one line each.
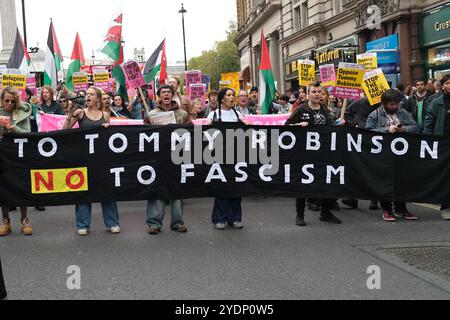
[183, 11]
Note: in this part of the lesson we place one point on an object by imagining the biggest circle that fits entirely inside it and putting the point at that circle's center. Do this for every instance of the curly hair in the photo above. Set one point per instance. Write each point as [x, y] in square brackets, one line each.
[12, 91]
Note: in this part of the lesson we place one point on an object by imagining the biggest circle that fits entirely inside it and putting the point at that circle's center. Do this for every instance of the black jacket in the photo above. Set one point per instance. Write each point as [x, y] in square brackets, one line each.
[411, 106]
[357, 113]
[305, 114]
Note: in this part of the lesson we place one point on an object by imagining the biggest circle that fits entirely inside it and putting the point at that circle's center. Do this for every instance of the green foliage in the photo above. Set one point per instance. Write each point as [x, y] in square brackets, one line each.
[224, 57]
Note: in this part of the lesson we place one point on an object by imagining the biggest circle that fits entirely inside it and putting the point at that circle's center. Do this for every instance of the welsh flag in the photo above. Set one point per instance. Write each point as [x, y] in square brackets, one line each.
[77, 61]
[53, 59]
[20, 59]
[267, 91]
[157, 63]
[112, 44]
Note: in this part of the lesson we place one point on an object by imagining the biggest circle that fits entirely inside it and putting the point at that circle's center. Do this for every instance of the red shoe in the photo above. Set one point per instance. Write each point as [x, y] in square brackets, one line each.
[408, 216]
[389, 216]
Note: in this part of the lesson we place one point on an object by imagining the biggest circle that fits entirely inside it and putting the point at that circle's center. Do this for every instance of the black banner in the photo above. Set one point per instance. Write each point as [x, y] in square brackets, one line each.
[180, 162]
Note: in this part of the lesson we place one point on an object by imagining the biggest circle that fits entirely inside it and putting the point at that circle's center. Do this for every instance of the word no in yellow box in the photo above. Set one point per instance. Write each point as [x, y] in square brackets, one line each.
[59, 180]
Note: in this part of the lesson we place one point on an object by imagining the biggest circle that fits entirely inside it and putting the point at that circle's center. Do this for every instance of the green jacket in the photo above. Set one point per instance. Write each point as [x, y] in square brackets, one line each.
[435, 117]
[22, 121]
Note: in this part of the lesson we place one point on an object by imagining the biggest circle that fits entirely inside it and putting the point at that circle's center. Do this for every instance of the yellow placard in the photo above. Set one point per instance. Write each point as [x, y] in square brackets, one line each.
[368, 60]
[101, 77]
[59, 180]
[233, 77]
[306, 72]
[349, 78]
[17, 81]
[80, 79]
[375, 84]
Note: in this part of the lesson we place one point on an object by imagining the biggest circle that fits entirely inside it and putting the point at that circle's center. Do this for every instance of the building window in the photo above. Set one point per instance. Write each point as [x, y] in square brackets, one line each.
[300, 14]
[337, 7]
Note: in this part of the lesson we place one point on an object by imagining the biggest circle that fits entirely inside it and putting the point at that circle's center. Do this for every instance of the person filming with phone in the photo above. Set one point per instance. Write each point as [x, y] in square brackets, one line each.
[391, 118]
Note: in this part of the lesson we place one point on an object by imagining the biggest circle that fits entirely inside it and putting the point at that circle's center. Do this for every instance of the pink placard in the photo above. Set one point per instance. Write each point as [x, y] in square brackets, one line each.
[197, 90]
[192, 77]
[133, 75]
[348, 93]
[31, 84]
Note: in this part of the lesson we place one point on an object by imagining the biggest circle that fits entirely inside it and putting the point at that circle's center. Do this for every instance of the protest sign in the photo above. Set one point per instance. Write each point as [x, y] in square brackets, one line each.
[162, 118]
[368, 60]
[80, 81]
[15, 78]
[233, 78]
[224, 84]
[134, 163]
[328, 77]
[306, 72]
[349, 80]
[31, 84]
[375, 84]
[206, 79]
[101, 80]
[197, 90]
[192, 77]
[133, 75]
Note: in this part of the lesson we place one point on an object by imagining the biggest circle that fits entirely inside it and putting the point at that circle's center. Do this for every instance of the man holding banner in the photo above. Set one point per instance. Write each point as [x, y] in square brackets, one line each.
[155, 208]
[313, 113]
[390, 118]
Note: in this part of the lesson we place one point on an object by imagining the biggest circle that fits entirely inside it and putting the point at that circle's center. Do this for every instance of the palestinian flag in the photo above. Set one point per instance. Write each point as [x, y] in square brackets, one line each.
[267, 91]
[118, 74]
[157, 63]
[112, 44]
[77, 61]
[19, 57]
[53, 59]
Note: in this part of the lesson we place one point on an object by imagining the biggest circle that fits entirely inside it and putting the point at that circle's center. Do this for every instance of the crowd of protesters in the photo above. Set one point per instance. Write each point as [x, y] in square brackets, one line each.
[421, 108]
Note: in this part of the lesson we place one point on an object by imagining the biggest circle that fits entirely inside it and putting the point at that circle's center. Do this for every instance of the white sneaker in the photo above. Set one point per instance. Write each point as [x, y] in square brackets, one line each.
[82, 232]
[220, 226]
[114, 230]
[237, 225]
[445, 214]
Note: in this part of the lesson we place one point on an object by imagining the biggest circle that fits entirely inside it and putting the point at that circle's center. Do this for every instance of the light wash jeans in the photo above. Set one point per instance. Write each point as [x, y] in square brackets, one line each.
[83, 214]
[155, 213]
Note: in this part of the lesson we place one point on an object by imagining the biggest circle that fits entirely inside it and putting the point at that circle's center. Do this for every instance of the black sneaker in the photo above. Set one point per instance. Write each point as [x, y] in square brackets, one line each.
[352, 203]
[335, 206]
[329, 217]
[40, 208]
[373, 205]
[300, 220]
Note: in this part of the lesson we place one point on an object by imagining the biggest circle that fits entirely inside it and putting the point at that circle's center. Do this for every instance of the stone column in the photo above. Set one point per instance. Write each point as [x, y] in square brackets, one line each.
[8, 27]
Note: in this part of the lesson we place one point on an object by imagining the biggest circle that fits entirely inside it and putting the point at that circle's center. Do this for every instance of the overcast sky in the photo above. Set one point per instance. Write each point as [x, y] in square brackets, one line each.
[146, 23]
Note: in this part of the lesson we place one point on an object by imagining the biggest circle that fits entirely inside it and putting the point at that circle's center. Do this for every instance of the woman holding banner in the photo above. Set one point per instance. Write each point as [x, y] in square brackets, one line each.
[92, 117]
[18, 121]
[226, 210]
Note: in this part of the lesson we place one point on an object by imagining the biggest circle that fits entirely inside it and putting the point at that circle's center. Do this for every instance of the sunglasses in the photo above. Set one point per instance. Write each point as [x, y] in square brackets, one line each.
[10, 101]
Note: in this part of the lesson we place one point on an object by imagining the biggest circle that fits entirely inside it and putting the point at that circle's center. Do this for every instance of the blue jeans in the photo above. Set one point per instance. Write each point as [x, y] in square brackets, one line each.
[83, 214]
[155, 213]
[227, 210]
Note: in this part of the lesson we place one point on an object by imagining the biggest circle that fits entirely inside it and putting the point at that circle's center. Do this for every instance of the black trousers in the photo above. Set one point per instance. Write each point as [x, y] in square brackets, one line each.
[400, 207]
[2, 284]
[326, 205]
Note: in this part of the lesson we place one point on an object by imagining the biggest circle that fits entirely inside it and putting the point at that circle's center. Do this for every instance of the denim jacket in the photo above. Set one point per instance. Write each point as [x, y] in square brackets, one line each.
[378, 121]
